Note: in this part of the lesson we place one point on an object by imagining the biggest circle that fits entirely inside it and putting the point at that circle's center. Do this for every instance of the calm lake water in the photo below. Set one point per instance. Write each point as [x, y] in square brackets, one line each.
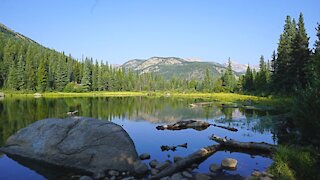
[139, 116]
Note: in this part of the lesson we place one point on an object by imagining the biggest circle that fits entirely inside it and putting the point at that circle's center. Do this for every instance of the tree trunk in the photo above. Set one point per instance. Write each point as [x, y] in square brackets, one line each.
[262, 146]
[196, 157]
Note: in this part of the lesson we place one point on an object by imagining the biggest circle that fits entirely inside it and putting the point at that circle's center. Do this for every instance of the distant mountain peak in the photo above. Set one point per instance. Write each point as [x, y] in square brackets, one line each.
[193, 59]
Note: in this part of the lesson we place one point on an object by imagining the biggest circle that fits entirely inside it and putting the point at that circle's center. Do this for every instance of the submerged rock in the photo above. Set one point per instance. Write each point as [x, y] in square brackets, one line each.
[144, 156]
[153, 163]
[214, 167]
[177, 158]
[229, 163]
[83, 144]
[187, 174]
[201, 176]
[85, 178]
[161, 166]
[140, 168]
[176, 176]
[1, 94]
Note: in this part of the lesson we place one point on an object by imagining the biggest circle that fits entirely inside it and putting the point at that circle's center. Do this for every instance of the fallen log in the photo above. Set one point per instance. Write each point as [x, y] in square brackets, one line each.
[196, 157]
[202, 154]
[194, 124]
[201, 104]
[262, 146]
[225, 127]
[72, 113]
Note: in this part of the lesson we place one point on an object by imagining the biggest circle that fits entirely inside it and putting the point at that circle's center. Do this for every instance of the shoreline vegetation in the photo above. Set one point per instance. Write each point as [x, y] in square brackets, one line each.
[221, 97]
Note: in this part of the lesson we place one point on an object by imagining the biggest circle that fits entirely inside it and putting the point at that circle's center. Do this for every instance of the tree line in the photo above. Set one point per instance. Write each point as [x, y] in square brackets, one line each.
[28, 66]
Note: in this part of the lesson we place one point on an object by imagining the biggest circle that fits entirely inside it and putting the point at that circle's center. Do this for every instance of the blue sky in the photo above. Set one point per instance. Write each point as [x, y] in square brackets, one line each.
[120, 30]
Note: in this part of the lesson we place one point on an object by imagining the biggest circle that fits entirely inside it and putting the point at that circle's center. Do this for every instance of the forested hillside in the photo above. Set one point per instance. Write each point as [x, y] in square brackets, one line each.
[27, 66]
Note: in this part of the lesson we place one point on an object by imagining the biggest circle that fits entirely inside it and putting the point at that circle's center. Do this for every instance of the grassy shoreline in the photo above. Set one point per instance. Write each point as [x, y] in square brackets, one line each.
[221, 97]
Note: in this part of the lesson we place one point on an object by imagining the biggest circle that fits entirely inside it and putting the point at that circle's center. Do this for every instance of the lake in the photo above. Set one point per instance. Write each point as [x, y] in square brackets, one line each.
[139, 116]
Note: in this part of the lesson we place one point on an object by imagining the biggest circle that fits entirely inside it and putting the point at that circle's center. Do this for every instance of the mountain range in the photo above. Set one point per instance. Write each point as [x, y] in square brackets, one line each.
[188, 68]
[168, 67]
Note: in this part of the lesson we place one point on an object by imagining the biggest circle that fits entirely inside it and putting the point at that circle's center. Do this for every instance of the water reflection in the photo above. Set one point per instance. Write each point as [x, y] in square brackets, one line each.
[140, 115]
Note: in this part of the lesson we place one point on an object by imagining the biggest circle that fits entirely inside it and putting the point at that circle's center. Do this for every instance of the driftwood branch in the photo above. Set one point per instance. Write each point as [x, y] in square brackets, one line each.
[194, 124]
[225, 127]
[201, 104]
[173, 148]
[196, 157]
[72, 113]
[224, 144]
[262, 146]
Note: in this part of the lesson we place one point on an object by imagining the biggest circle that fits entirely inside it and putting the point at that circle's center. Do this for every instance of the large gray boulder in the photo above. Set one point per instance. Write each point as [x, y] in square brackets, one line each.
[80, 143]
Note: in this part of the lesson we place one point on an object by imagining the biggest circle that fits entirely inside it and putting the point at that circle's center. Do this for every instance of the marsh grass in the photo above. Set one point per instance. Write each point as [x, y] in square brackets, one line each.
[295, 163]
[261, 102]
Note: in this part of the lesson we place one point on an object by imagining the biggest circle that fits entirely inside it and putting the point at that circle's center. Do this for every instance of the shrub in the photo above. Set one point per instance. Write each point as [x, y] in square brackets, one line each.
[74, 87]
[294, 163]
[306, 113]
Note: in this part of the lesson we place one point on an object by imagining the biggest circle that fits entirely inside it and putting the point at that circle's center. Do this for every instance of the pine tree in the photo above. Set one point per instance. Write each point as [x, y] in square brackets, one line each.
[282, 80]
[316, 57]
[248, 80]
[42, 76]
[86, 77]
[61, 74]
[30, 67]
[300, 56]
[95, 71]
[101, 77]
[207, 82]
[12, 82]
[228, 78]
[261, 78]
[20, 74]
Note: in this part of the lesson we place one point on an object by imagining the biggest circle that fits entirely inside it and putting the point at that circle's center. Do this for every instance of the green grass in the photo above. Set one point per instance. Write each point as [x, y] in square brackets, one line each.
[294, 163]
[221, 97]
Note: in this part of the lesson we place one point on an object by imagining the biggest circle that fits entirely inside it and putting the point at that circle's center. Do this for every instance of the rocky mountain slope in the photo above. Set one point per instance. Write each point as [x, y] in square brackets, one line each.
[7, 31]
[183, 68]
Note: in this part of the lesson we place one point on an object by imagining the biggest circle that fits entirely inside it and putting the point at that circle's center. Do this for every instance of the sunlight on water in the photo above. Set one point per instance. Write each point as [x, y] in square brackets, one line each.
[139, 116]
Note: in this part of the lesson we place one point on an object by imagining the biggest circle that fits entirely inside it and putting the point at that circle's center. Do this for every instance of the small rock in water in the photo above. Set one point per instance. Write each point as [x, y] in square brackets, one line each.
[113, 178]
[177, 158]
[214, 167]
[200, 176]
[140, 168]
[128, 178]
[256, 173]
[229, 163]
[154, 171]
[153, 163]
[165, 178]
[163, 165]
[187, 174]
[85, 178]
[264, 173]
[194, 166]
[113, 173]
[176, 176]
[144, 156]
